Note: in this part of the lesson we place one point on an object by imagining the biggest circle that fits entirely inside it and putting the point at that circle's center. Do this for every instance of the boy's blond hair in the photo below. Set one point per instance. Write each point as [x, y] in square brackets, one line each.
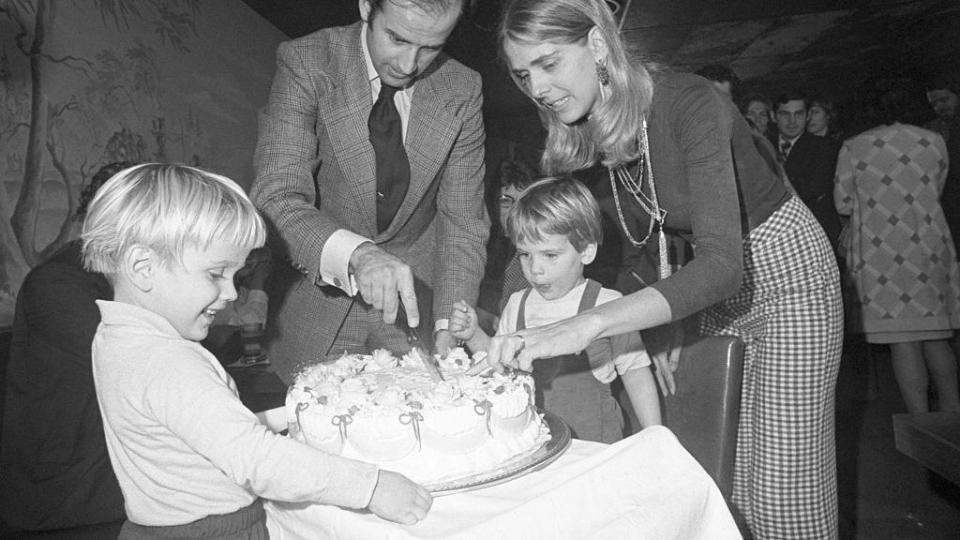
[167, 208]
[556, 205]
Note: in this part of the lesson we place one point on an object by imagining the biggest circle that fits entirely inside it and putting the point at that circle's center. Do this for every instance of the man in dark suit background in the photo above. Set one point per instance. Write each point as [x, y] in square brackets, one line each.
[345, 232]
[809, 161]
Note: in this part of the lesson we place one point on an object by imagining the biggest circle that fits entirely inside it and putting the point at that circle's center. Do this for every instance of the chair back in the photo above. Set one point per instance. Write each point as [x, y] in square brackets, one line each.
[705, 411]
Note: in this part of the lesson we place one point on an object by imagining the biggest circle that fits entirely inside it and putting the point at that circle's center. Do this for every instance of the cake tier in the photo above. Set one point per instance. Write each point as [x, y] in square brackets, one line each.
[389, 411]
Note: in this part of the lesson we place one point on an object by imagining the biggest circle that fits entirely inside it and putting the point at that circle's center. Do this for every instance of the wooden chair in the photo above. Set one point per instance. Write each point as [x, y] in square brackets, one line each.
[705, 411]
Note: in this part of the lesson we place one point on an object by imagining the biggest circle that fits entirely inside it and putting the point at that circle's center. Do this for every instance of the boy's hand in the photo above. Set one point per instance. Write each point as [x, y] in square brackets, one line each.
[464, 322]
[399, 499]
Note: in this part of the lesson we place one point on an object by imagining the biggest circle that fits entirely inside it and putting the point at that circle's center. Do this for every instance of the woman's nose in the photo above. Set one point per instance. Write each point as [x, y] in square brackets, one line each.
[538, 87]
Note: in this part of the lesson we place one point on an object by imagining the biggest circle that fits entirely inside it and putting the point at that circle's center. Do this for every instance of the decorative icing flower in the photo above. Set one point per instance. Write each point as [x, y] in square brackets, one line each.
[393, 396]
[457, 358]
[381, 359]
[412, 359]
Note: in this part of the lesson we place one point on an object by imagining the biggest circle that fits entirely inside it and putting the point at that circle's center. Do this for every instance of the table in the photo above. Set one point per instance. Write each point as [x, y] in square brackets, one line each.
[933, 439]
[645, 486]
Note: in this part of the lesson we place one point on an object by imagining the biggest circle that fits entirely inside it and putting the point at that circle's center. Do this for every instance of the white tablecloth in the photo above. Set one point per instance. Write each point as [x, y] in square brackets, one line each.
[645, 486]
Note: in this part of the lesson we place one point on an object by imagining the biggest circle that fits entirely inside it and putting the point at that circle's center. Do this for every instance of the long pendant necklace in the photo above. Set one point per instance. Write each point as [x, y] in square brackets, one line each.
[649, 204]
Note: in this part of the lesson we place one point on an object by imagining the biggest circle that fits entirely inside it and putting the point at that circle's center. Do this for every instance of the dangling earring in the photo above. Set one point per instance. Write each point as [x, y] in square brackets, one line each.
[603, 74]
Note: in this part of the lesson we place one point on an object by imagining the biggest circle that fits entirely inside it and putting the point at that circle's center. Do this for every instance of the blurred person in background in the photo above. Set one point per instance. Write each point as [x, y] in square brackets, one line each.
[900, 254]
[821, 118]
[54, 468]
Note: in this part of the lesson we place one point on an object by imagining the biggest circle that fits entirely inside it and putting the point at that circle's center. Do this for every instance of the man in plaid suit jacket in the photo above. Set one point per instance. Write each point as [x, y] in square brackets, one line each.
[316, 184]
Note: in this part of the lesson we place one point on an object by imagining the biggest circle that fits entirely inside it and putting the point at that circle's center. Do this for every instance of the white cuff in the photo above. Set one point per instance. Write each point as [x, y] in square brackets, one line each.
[441, 324]
[335, 259]
[631, 360]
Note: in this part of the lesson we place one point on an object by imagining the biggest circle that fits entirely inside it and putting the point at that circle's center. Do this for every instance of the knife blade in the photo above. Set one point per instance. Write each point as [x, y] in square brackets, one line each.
[413, 339]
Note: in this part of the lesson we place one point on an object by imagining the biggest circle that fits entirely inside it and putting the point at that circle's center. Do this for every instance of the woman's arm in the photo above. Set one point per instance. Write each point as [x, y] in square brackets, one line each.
[643, 309]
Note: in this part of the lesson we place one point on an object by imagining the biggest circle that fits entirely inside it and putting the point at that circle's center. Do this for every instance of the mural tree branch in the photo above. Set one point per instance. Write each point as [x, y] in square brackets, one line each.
[44, 150]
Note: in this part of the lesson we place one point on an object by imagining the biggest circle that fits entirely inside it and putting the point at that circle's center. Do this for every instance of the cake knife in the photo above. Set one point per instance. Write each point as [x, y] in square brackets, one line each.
[413, 340]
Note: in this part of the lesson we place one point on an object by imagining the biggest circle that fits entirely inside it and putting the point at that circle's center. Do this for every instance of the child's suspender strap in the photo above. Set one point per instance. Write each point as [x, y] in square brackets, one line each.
[590, 295]
[587, 301]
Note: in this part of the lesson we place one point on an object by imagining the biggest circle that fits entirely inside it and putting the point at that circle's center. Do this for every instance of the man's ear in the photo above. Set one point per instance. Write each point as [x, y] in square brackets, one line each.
[139, 266]
[589, 253]
[365, 11]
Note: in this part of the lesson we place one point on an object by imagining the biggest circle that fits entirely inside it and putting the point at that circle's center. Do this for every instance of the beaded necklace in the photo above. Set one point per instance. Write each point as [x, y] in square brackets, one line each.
[633, 184]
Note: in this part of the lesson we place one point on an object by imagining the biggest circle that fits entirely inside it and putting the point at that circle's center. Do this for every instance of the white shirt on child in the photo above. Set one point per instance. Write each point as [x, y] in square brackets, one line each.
[182, 444]
[539, 312]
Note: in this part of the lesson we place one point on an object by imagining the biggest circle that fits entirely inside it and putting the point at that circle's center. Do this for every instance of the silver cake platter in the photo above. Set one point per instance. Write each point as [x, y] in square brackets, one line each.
[515, 467]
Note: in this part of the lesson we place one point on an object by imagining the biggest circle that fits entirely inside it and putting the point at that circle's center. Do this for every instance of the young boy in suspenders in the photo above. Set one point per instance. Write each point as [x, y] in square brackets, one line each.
[556, 226]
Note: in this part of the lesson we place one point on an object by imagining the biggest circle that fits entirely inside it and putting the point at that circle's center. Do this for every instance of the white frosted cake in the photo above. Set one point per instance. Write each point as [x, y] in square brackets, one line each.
[389, 411]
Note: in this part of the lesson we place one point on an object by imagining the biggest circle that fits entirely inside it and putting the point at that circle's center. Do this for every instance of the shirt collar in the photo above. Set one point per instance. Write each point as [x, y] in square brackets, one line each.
[125, 314]
[575, 293]
[792, 141]
[367, 61]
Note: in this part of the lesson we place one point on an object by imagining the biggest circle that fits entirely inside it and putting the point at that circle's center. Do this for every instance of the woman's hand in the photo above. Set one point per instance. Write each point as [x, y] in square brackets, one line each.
[664, 345]
[520, 349]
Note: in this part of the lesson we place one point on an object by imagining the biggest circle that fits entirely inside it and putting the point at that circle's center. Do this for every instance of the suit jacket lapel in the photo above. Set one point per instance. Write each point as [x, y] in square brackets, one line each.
[344, 112]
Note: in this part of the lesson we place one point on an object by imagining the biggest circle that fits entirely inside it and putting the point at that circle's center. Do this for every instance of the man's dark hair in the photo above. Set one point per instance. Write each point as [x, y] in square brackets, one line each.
[516, 173]
[719, 73]
[793, 95]
[99, 179]
[894, 104]
[943, 81]
[428, 6]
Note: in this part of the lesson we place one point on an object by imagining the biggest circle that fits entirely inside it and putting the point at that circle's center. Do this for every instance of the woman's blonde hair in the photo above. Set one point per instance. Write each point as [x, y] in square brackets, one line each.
[556, 205]
[610, 134]
[166, 208]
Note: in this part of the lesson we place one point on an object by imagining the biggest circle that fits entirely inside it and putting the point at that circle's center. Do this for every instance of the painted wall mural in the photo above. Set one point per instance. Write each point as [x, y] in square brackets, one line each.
[84, 83]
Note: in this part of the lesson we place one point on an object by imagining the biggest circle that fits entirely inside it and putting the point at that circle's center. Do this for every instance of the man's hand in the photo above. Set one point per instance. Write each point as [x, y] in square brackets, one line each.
[384, 281]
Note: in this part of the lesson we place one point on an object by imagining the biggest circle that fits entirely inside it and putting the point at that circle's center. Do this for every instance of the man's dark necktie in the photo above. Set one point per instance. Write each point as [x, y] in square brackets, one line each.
[393, 168]
[784, 150]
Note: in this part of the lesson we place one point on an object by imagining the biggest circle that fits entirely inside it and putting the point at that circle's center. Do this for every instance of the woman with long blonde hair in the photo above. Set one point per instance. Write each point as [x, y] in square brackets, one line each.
[681, 159]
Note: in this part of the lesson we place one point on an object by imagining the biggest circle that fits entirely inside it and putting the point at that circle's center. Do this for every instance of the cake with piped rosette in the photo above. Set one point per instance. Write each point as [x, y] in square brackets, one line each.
[388, 410]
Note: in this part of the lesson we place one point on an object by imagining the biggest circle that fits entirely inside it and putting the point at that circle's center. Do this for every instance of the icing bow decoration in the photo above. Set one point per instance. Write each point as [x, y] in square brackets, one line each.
[300, 408]
[414, 418]
[342, 421]
[483, 408]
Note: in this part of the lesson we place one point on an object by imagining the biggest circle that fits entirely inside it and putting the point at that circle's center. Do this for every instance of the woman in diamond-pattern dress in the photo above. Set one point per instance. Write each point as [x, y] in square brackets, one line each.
[900, 256]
